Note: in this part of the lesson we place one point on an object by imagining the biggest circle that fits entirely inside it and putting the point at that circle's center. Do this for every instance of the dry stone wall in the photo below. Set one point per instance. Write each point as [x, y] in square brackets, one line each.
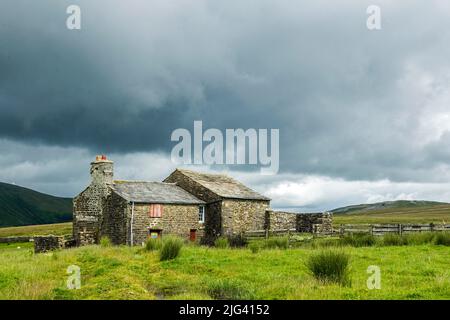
[48, 243]
[239, 215]
[319, 223]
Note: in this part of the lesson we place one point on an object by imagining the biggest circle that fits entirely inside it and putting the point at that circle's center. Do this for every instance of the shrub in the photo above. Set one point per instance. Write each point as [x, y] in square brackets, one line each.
[254, 247]
[226, 289]
[277, 242]
[171, 248]
[394, 240]
[359, 240]
[153, 244]
[105, 242]
[237, 241]
[442, 238]
[221, 243]
[330, 266]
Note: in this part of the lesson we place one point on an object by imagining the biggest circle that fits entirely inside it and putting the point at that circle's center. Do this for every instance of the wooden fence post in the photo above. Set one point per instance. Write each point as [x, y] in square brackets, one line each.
[267, 234]
[400, 229]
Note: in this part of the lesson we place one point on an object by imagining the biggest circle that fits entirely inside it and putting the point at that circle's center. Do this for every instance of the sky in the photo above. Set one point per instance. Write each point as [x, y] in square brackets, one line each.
[363, 115]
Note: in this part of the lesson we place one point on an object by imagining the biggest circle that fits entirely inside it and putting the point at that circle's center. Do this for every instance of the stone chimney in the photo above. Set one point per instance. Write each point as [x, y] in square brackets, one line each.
[102, 171]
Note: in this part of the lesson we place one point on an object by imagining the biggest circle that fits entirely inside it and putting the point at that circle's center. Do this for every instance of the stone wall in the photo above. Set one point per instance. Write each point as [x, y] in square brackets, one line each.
[116, 216]
[213, 222]
[48, 243]
[277, 220]
[320, 223]
[315, 223]
[15, 239]
[87, 214]
[243, 215]
[88, 205]
[176, 219]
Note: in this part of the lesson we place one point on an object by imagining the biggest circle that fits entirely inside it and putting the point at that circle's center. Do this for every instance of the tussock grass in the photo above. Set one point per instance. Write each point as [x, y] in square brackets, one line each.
[227, 289]
[221, 242]
[105, 242]
[171, 248]
[254, 247]
[419, 238]
[393, 240]
[153, 244]
[442, 238]
[330, 266]
[277, 243]
[359, 240]
[237, 241]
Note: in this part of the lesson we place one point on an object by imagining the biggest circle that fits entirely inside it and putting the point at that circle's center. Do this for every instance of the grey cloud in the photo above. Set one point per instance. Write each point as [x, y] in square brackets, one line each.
[349, 103]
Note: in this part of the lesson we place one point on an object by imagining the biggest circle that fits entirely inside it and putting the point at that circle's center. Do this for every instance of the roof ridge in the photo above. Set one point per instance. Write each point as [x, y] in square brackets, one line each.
[206, 173]
[143, 181]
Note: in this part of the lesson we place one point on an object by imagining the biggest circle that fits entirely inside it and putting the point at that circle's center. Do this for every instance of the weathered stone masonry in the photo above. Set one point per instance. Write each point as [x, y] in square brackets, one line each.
[176, 219]
[231, 208]
[88, 205]
[319, 223]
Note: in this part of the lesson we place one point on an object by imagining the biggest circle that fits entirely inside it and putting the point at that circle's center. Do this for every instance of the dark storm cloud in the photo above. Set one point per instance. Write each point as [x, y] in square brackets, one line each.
[348, 102]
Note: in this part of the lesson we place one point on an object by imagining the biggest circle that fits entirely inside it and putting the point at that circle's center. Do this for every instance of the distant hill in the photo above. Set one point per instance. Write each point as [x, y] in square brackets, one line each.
[399, 204]
[21, 206]
[402, 211]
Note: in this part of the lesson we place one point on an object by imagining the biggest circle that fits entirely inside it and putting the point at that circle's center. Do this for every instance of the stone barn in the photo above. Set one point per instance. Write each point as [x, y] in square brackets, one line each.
[128, 212]
[189, 204]
[231, 207]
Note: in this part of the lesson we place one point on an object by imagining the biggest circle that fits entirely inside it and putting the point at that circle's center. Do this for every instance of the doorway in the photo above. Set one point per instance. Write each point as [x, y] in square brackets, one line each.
[193, 235]
[154, 233]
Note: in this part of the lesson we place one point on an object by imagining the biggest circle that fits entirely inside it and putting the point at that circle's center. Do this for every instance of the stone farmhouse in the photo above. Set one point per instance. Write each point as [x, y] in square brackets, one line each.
[189, 204]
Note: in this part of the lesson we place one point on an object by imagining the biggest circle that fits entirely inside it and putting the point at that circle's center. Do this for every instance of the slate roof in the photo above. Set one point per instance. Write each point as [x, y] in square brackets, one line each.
[154, 192]
[223, 185]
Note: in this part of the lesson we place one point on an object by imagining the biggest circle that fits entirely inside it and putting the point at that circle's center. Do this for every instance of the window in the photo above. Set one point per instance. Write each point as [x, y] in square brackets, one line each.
[155, 211]
[201, 214]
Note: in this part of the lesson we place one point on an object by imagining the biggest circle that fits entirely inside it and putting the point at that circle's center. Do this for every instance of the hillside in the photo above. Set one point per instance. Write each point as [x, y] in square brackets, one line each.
[21, 206]
[399, 204]
[402, 211]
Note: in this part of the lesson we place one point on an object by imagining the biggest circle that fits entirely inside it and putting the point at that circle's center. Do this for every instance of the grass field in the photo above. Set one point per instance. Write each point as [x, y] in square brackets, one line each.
[43, 229]
[407, 272]
[431, 214]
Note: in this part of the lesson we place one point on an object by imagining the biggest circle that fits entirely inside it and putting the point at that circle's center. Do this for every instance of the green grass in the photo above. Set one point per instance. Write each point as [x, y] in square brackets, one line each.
[408, 272]
[425, 214]
[43, 229]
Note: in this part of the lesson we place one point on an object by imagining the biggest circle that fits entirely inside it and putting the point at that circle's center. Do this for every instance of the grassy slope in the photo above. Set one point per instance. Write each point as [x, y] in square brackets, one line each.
[41, 229]
[22, 206]
[413, 272]
[437, 213]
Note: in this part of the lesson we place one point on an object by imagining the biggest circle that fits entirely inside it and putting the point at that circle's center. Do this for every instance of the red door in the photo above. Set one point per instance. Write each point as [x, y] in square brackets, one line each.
[192, 234]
